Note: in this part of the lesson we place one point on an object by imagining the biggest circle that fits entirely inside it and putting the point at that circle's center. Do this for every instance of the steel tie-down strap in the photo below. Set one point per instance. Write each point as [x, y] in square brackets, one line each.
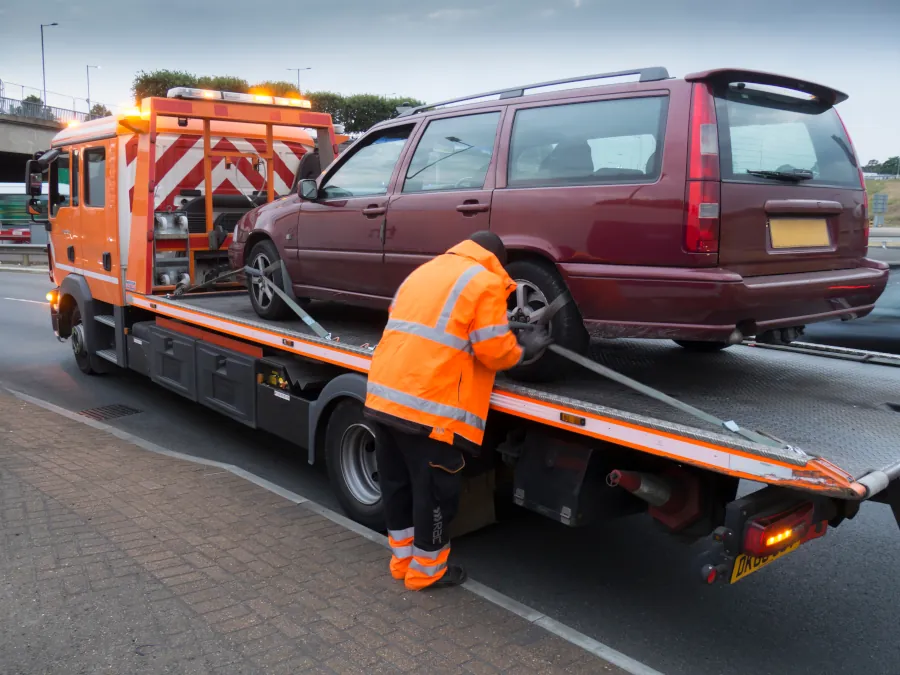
[314, 325]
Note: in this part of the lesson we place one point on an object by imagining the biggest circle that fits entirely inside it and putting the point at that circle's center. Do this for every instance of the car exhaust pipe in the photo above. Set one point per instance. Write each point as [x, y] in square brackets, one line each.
[652, 489]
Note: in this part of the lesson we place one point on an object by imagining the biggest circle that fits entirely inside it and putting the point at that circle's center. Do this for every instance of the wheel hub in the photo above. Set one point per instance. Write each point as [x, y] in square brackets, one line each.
[525, 305]
[78, 340]
[261, 291]
[358, 464]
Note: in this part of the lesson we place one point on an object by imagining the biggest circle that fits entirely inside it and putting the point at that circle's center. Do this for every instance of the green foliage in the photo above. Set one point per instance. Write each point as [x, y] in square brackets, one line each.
[32, 98]
[99, 110]
[357, 113]
[276, 88]
[158, 82]
[889, 166]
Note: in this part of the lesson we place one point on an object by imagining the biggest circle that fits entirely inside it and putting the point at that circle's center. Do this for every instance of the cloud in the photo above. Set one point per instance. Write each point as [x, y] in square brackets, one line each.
[546, 13]
[456, 14]
[577, 3]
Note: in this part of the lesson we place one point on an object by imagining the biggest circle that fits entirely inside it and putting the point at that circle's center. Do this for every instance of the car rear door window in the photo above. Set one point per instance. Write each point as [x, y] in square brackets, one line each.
[611, 141]
[453, 154]
[368, 170]
[765, 131]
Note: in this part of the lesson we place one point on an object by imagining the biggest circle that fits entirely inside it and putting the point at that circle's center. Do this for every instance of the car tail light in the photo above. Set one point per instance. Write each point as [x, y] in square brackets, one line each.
[768, 534]
[701, 218]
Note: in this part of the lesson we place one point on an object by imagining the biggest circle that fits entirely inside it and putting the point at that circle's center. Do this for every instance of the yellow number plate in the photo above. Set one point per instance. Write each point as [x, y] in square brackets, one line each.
[799, 233]
[745, 565]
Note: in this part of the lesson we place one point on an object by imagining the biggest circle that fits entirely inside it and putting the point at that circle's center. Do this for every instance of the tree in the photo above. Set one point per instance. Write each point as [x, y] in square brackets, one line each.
[99, 110]
[33, 98]
[275, 88]
[327, 102]
[158, 82]
[223, 83]
[890, 166]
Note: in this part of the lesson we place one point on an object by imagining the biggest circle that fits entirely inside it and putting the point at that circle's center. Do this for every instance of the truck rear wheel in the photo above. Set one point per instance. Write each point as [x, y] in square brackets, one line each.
[350, 441]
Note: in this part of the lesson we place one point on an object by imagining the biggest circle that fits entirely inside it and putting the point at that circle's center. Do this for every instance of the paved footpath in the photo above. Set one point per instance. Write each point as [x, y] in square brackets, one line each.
[115, 559]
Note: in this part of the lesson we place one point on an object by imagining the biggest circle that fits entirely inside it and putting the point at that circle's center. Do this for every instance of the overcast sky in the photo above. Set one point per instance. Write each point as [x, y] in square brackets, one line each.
[434, 50]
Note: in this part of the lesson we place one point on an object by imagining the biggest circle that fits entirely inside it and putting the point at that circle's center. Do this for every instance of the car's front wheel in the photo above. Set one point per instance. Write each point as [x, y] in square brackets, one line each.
[266, 303]
[537, 285]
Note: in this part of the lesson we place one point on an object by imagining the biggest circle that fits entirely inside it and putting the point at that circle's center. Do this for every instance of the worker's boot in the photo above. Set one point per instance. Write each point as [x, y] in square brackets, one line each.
[454, 576]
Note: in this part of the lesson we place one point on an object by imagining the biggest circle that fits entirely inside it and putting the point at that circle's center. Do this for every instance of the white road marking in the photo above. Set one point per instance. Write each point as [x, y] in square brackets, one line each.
[35, 302]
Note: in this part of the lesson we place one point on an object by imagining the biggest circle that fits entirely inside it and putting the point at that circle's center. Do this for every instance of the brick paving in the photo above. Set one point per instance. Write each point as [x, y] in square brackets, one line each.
[114, 559]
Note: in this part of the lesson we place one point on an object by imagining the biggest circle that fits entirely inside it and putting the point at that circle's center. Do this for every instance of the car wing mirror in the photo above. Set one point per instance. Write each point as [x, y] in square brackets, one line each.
[309, 190]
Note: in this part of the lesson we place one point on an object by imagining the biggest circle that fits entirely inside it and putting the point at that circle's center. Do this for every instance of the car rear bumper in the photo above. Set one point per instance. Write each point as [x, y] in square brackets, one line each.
[708, 304]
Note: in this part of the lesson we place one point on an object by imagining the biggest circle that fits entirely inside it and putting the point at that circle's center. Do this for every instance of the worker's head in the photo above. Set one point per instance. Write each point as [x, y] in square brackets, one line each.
[491, 242]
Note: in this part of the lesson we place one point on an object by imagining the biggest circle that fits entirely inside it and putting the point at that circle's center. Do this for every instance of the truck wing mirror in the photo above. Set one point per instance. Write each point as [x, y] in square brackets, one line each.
[34, 177]
[309, 190]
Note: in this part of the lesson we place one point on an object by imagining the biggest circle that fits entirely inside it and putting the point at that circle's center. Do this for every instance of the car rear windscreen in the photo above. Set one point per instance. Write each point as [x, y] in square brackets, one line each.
[760, 131]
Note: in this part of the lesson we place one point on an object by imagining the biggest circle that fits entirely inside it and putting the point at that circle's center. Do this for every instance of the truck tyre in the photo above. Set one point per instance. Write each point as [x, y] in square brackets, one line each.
[87, 362]
[702, 347]
[266, 303]
[350, 441]
[539, 284]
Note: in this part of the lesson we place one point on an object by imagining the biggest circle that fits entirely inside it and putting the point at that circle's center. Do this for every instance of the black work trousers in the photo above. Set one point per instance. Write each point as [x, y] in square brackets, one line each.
[420, 481]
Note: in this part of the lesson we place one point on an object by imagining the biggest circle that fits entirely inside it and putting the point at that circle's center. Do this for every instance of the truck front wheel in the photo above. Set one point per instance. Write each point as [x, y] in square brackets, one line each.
[87, 362]
[350, 441]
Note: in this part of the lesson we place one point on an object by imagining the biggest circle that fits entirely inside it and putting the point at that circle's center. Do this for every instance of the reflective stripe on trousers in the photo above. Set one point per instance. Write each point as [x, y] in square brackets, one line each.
[401, 543]
[426, 406]
[426, 567]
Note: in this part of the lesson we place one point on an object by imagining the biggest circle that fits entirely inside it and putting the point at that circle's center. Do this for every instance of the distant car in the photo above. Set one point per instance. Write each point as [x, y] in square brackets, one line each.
[15, 223]
[722, 205]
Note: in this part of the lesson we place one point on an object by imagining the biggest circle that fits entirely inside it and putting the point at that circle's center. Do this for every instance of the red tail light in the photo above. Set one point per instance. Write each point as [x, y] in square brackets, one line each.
[769, 534]
[701, 218]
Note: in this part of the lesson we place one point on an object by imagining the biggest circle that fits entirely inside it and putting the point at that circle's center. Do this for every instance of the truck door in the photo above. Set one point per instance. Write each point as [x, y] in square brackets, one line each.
[65, 218]
[98, 222]
[444, 195]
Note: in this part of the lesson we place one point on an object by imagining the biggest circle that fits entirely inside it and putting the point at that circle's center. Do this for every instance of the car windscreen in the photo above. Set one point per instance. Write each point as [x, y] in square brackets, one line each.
[761, 132]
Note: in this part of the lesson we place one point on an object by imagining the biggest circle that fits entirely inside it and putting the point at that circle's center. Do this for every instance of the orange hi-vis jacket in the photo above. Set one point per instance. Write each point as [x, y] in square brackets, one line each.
[446, 337]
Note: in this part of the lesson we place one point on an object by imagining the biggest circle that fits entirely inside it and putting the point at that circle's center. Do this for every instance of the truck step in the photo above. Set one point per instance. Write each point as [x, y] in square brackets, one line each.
[108, 319]
[109, 355]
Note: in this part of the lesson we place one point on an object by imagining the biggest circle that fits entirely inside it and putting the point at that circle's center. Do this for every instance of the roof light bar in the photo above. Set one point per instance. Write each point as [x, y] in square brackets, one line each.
[235, 97]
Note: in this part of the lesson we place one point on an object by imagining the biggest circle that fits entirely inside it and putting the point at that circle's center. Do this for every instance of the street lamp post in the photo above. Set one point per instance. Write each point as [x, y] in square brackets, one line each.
[298, 77]
[87, 70]
[43, 67]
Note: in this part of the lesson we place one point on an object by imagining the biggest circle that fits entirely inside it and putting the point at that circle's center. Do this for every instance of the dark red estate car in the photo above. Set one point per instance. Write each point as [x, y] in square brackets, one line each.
[706, 209]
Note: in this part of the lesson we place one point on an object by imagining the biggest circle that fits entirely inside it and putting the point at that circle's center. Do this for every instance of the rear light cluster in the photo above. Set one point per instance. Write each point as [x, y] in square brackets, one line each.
[701, 220]
[769, 534]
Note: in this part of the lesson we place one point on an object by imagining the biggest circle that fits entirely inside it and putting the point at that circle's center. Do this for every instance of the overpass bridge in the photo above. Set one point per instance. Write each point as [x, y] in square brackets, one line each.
[25, 128]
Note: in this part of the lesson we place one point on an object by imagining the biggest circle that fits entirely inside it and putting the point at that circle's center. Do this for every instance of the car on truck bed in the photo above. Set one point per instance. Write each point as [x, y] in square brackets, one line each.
[707, 209]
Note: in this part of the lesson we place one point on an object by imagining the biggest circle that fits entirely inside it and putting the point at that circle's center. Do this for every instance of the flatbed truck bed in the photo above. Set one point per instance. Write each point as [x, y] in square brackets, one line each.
[839, 417]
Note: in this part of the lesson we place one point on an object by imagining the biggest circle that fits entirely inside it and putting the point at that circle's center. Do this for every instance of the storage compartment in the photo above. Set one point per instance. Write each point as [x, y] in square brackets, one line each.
[283, 414]
[172, 362]
[138, 354]
[226, 382]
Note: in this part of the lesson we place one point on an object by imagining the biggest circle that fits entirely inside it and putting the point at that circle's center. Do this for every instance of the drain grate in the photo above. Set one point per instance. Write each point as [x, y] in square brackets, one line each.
[109, 412]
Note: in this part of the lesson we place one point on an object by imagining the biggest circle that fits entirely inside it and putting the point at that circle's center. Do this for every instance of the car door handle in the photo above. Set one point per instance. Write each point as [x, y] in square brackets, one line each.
[471, 208]
[373, 211]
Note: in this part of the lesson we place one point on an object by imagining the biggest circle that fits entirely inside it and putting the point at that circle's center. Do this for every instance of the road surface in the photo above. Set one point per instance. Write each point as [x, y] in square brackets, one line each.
[830, 608]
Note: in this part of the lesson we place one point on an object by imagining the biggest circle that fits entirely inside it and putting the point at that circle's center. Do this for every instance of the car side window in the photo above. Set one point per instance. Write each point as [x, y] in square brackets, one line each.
[368, 170]
[613, 141]
[453, 154]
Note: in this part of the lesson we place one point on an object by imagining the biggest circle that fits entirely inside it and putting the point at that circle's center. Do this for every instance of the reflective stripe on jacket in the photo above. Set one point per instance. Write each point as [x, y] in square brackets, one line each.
[446, 337]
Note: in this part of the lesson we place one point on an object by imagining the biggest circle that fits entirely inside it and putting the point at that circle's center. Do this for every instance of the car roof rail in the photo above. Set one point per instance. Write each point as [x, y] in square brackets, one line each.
[653, 74]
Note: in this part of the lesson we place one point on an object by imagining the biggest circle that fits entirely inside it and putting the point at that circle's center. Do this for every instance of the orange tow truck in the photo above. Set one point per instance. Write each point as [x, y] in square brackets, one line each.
[138, 257]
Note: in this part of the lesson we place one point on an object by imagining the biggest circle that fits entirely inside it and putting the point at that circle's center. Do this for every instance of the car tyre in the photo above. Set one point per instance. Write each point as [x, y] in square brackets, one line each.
[265, 303]
[350, 440]
[539, 284]
[701, 347]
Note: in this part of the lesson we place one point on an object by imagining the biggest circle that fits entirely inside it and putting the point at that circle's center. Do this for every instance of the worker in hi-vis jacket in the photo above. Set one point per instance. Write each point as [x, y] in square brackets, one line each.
[429, 386]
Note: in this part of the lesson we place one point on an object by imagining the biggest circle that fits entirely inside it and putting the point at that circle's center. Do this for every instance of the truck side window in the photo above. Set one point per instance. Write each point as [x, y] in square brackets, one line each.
[73, 180]
[95, 177]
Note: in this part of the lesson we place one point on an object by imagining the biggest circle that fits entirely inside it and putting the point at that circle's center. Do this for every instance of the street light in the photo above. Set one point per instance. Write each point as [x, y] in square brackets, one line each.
[43, 68]
[87, 70]
[298, 76]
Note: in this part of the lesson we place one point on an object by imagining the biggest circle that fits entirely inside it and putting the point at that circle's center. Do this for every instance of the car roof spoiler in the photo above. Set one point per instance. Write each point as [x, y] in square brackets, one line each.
[729, 75]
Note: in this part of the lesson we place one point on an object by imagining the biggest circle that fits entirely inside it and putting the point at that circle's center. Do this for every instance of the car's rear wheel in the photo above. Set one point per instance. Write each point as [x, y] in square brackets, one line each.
[538, 285]
[350, 440]
[265, 302]
[702, 347]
